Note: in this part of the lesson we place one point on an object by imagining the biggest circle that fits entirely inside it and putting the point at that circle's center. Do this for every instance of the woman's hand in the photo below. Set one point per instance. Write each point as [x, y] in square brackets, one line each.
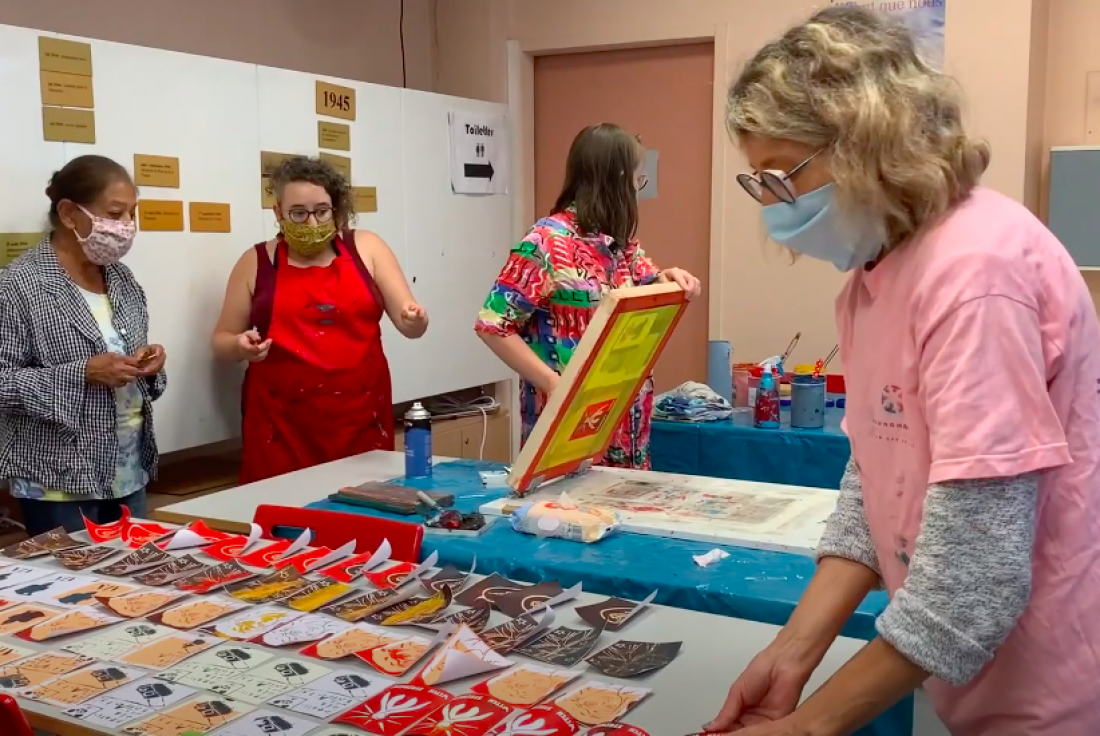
[251, 348]
[766, 692]
[150, 359]
[691, 285]
[788, 726]
[414, 319]
[112, 370]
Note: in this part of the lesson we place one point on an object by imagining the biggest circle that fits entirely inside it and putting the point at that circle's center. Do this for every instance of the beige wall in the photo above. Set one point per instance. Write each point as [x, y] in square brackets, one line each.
[354, 39]
[1072, 52]
[759, 300]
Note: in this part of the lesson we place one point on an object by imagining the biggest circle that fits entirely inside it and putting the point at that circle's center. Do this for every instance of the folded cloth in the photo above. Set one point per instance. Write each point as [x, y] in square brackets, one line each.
[692, 402]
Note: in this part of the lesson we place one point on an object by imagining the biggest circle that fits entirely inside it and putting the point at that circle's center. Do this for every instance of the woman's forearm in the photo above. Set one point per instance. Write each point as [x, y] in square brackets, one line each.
[518, 355]
[224, 345]
[833, 595]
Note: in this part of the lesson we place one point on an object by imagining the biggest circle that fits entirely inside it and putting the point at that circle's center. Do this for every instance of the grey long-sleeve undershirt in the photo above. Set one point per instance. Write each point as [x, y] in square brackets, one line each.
[970, 575]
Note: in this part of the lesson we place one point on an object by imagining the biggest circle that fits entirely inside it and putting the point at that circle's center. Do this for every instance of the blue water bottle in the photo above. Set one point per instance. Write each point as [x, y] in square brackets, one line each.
[418, 442]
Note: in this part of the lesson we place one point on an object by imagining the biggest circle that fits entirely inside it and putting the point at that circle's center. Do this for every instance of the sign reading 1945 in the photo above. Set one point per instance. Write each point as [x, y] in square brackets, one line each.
[335, 101]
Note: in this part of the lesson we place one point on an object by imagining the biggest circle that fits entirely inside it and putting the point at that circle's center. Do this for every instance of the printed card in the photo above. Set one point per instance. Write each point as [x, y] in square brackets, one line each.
[134, 700]
[450, 576]
[632, 658]
[331, 694]
[141, 602]
[140, 559]
[316, 594]
[486, 591]
[196, 613]
[269, 588]
[228, 549]
[168, 651]
[476, 618]
[89, 594]
[352, 639]
[100, 533]
[213, 668]
[513, 633]
[43, 544]
[203, 715]
[39, 669]
[17, 618]
[264, 557]
[391, 576]
[464, 715]
[12, 576]
[542, 720]
[311, 559]
[351, 568]
[613, 613]
[394, 709]
[361, 606]
[76, 687]
[594, 703]
[526, 685]
[73, 622]
[562, 646]
[304, 630]
[46, 590]
[464, 654]
[270, 680]
[82, 558]
[11, 653]
[526, 600]
[213, 577]
[115, 642]
[424, 610]
[196, 534]
[180, 567]
[266, 723]
[252, 623]
[398, 657]
[615, 729]
[137, 535]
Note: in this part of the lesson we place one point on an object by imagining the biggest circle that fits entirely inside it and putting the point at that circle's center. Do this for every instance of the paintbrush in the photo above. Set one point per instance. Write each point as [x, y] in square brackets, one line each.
[824, 363]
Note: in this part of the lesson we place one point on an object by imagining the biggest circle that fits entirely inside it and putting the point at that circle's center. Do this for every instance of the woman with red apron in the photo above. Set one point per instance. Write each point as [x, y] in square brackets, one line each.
[309, 323]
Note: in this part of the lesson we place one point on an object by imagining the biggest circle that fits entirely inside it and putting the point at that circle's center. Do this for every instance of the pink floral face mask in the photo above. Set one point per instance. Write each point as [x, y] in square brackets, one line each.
[108, 241]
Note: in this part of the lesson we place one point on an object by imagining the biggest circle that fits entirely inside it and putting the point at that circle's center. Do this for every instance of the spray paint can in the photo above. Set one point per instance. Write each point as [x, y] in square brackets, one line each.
[418, 442]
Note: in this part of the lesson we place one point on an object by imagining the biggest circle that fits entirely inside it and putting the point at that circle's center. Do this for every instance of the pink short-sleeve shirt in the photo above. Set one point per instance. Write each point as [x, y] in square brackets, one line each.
[974, 352]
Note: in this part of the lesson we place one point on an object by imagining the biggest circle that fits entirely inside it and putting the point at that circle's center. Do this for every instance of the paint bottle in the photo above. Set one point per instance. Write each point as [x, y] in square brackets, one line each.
[765, 412]
[418, 442]
[807, 398]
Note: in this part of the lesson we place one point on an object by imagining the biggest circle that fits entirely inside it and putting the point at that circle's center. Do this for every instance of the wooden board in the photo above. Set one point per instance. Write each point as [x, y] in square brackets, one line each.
[713, 510]
[616, 355]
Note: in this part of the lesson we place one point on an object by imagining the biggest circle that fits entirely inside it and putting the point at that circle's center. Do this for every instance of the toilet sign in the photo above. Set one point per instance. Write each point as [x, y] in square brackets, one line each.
[479, 153]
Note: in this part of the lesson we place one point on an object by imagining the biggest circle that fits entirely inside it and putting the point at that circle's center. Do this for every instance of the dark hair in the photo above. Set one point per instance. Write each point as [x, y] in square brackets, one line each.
[599, 181]
[82, 181]
[315, 171]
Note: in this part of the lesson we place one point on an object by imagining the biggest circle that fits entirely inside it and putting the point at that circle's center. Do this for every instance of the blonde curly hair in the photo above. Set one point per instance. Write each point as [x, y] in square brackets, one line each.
[851, 81]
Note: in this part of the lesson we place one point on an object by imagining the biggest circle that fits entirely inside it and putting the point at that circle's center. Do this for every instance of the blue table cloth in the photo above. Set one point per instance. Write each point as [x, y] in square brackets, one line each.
[733, 448]
[750, 584]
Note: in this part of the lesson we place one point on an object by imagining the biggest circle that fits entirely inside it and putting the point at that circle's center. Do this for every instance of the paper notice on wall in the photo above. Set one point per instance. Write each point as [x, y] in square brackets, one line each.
[479, 153]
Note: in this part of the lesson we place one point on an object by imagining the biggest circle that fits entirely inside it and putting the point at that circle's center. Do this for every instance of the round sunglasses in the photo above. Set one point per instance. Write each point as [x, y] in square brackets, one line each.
[773, 181]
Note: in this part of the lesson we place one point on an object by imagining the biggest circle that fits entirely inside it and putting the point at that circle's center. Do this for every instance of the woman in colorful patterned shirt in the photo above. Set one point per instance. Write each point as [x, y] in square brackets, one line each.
[552, 283]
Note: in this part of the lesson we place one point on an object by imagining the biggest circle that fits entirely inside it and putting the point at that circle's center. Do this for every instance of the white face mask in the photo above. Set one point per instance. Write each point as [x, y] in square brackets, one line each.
[108, 241]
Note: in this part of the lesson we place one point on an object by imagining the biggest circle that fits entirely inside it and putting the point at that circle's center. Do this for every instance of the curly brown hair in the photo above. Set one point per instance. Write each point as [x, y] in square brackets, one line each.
[315, 171]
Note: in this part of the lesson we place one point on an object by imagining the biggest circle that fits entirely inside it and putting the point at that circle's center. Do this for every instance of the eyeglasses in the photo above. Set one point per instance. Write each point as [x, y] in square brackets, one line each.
[299, 215]
[776, 182]
[641, 182]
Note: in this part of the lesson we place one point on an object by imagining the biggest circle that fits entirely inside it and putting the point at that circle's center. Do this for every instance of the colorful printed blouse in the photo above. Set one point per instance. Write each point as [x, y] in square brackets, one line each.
[547, 292]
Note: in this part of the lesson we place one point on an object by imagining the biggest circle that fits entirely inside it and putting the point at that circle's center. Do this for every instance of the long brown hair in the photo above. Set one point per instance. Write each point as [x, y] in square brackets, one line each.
[599, 181]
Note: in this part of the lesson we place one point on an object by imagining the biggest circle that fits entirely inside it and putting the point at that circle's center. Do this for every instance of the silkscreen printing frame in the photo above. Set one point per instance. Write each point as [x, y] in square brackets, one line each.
[580, 417]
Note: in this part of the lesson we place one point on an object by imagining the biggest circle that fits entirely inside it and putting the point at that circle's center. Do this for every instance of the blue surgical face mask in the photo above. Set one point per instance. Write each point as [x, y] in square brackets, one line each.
[815, 226]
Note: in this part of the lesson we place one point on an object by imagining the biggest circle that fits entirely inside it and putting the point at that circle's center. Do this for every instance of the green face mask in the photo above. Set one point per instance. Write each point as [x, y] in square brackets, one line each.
[307, 240]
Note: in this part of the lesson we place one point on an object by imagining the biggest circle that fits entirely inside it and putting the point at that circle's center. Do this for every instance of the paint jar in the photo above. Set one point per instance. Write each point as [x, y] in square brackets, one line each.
[741, 374]
[807, 399]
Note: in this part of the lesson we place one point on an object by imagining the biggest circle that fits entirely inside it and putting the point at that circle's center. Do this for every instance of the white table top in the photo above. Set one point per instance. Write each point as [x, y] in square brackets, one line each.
[687, 693]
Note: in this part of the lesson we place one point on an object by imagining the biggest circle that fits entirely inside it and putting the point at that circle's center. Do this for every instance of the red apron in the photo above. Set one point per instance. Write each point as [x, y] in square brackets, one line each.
[323, 393]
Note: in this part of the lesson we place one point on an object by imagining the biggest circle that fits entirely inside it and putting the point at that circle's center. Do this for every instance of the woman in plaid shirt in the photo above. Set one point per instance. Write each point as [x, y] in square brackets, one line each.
[77, 379]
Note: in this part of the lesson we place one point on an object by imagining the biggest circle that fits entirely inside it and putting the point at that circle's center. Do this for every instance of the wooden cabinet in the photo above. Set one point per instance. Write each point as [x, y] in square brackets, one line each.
[462, 438]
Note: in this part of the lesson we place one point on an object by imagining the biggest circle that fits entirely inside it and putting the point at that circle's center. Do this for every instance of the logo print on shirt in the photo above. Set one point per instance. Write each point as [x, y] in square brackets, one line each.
[891, 400]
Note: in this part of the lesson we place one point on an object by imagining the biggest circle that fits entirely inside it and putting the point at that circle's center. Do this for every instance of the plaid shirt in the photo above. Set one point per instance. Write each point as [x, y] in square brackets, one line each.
[56, 429]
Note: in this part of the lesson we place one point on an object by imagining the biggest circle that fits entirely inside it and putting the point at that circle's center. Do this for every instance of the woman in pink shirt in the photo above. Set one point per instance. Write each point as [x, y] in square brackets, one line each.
[972, 355]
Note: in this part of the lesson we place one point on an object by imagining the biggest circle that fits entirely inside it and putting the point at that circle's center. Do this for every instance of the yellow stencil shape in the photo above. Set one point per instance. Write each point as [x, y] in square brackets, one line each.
[606, 391]
[318, 598]
[421, 611]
